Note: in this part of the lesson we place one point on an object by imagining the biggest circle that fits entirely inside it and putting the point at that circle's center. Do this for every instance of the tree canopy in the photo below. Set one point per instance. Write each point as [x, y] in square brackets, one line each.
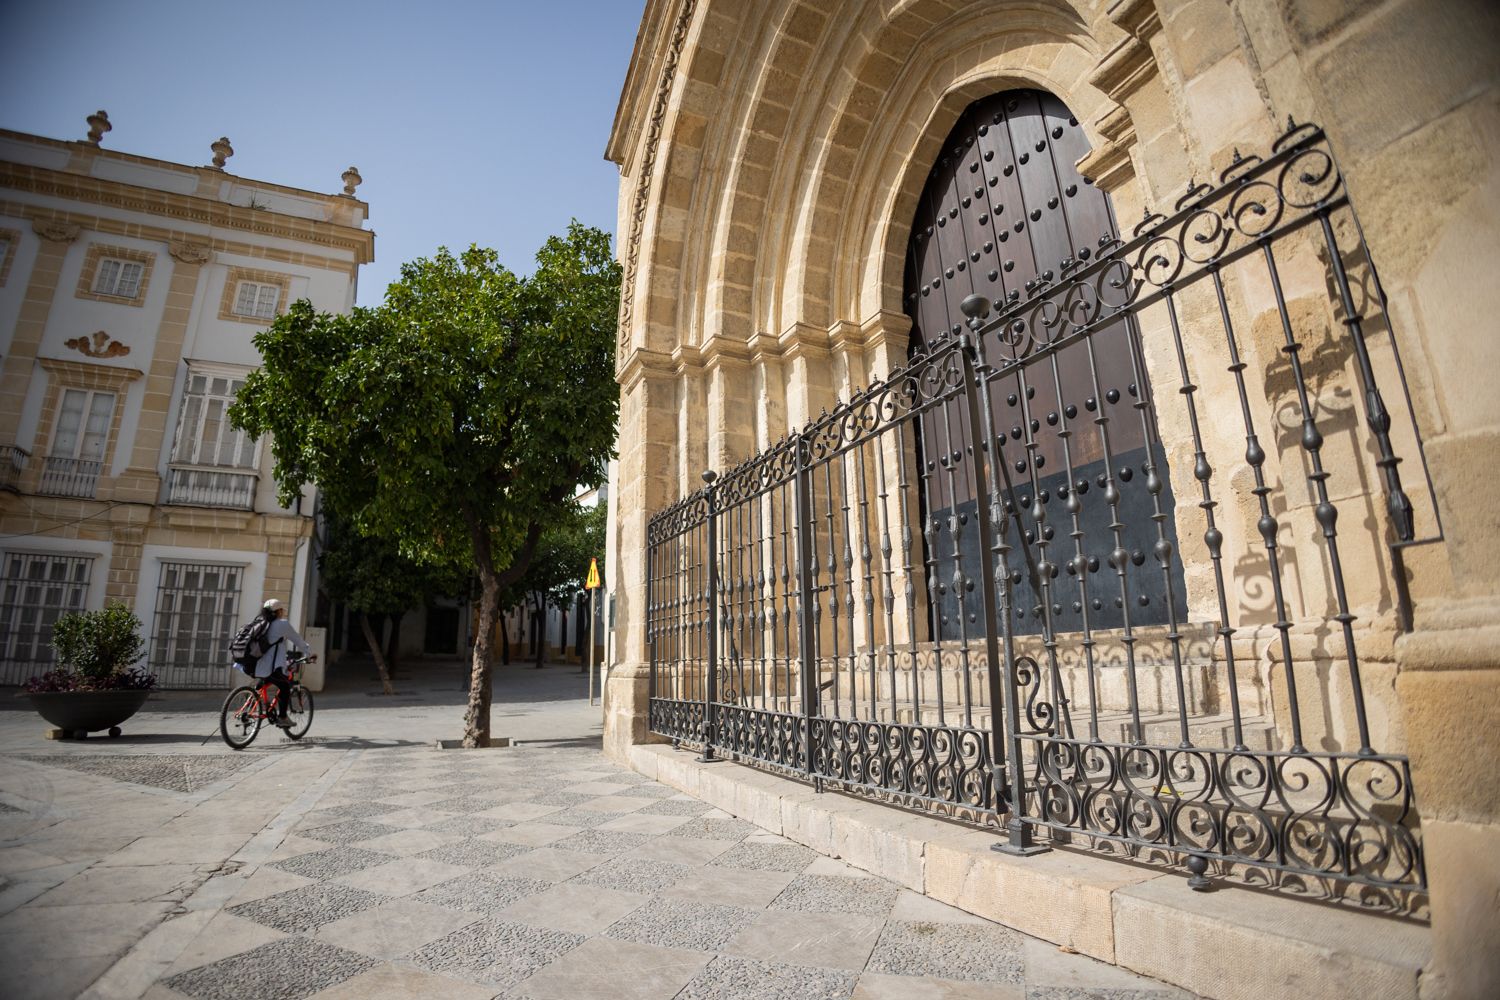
[457, 418]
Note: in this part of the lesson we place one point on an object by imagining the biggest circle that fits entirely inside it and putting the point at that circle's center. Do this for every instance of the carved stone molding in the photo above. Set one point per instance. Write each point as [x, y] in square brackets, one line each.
[648, 167]
[189, 253]
[97, 345]
[1125, 68]
[55, 231]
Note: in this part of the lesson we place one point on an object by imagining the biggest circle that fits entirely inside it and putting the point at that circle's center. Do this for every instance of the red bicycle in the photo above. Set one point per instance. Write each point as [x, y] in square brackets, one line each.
[248, 708]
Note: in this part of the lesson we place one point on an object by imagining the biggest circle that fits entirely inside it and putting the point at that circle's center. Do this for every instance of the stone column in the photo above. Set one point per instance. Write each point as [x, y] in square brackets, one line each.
[31, 323]
[140, 482]
[646, 482]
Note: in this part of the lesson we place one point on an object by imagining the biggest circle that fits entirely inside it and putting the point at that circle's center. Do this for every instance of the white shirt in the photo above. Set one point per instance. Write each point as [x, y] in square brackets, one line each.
[275, 657]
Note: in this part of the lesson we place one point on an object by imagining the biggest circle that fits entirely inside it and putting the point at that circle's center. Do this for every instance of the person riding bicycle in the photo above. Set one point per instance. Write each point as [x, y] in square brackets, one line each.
[271, 667]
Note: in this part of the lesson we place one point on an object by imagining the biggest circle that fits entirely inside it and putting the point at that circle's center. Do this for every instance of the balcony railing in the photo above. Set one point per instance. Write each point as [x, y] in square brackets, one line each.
[12, 464]
[199, 487]
[69, 477]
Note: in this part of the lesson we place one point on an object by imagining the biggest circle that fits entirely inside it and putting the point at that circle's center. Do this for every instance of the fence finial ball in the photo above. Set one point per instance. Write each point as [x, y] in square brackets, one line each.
[976, 306]
[709, 475]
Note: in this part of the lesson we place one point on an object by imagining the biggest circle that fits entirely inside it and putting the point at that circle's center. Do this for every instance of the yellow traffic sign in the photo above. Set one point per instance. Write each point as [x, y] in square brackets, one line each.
[593, 580]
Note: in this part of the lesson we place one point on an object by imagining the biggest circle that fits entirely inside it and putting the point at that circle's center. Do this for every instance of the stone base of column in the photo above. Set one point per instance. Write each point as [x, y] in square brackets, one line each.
[1449, 687]
[626, 710]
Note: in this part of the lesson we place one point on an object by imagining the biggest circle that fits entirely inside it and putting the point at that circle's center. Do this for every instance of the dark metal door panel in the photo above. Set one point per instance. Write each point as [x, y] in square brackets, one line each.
[1005, 208]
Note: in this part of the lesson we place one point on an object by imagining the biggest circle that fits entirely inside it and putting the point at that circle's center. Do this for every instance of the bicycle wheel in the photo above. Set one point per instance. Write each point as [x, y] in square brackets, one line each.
[299, 712]
[240, 718]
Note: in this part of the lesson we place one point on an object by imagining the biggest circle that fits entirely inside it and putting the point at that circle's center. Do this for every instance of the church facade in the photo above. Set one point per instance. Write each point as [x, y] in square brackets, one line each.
[1092, 401]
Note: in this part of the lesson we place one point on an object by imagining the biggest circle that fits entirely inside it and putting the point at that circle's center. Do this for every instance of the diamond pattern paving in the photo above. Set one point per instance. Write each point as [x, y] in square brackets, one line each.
[308, 907]
[176, 773]
[290, 969]
[552, 874]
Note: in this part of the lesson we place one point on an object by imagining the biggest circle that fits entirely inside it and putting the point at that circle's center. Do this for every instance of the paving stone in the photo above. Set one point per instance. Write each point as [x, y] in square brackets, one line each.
[393, 929]
[348, 832]
[730, 886]
[826, 940]
[582, 909]
[766, 857]
[309, 907]
[727, 978]
[676, 807]
[715, 829]
[410, 841]
[1095, 993]
[837, 894]
[554, 797]
[497, 952]
[355, 810]
[605, 969]
[332, 863]
[483, 892]
[548, 863]
[583, 819]
[949, 951]
[880, 986]
[679, 923]
[289, 969]
[635, 875]
[602, 842]
[178, 773]
[467, 804]
[469, 826]
[531, 834]
[473, 853]
[390, 981]
[404, 876]
[649, 789]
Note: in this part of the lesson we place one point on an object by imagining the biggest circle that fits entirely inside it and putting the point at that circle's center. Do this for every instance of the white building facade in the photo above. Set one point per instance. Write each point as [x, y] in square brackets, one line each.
[130, 291]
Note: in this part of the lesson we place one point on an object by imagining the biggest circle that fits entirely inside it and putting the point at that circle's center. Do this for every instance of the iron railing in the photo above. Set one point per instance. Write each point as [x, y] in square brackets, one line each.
[201, 487]
[69, 477]
[844, 608]
[12, 465]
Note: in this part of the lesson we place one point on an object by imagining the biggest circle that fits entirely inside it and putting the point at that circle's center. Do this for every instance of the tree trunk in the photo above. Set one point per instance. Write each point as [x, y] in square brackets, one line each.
[541, 632]
[393, 644]
[375, 651]
[477, 715]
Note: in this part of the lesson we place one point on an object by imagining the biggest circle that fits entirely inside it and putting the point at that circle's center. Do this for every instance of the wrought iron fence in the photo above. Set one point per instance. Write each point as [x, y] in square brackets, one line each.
[926, 594]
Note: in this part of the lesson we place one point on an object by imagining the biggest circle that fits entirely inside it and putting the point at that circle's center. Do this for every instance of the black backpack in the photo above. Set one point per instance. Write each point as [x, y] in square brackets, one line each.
[250, 644]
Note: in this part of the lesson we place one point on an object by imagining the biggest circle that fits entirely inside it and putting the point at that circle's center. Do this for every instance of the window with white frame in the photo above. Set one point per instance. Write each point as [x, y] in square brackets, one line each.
[82, 425]
[121, 278]
[76, 457]
[35, 590]
[197, 606]
[204, 436]
[256, 300]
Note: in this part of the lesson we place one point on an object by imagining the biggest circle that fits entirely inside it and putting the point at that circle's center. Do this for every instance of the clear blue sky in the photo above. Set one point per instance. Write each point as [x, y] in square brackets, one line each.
[471, 121]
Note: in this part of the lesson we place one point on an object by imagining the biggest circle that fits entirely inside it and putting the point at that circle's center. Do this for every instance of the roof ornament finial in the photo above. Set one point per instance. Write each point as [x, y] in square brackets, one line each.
[98, 125]
[352, 180]
[222, 151]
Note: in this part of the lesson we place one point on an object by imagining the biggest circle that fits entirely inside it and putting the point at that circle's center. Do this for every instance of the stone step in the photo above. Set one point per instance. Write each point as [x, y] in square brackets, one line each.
[1232, 944]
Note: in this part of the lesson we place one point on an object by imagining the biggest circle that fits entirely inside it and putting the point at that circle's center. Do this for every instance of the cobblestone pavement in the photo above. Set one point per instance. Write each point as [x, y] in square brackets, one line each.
[365, 872]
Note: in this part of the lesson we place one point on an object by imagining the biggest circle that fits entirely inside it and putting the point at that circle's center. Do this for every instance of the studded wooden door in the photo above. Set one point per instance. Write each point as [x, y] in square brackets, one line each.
[1003, 209]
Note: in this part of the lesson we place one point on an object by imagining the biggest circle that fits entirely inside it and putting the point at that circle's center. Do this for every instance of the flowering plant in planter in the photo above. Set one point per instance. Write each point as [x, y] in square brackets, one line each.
[97, 651]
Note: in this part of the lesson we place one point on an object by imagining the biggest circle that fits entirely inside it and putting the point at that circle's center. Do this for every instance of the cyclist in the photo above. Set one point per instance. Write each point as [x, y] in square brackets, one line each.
[272, 666]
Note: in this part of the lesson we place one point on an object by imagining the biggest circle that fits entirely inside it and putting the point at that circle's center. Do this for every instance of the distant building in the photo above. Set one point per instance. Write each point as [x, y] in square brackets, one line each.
[130, 289]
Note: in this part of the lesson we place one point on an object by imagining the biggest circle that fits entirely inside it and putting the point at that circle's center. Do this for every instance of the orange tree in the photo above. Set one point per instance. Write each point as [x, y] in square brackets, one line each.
[456, 419]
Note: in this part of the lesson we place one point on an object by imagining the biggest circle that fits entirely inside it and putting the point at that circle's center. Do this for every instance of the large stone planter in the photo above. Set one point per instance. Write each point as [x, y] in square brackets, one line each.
[82, 712]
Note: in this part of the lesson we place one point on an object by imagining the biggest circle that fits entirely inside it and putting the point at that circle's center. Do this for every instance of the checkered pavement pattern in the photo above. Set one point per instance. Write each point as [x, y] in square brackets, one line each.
[539, 873]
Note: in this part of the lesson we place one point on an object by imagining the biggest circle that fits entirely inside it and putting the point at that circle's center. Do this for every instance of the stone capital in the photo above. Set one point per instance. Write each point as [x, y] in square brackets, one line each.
[189, 253]
[56, 231]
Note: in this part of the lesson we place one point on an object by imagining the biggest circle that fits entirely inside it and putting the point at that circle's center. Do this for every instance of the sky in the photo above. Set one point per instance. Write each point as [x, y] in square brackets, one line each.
[470, 121]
